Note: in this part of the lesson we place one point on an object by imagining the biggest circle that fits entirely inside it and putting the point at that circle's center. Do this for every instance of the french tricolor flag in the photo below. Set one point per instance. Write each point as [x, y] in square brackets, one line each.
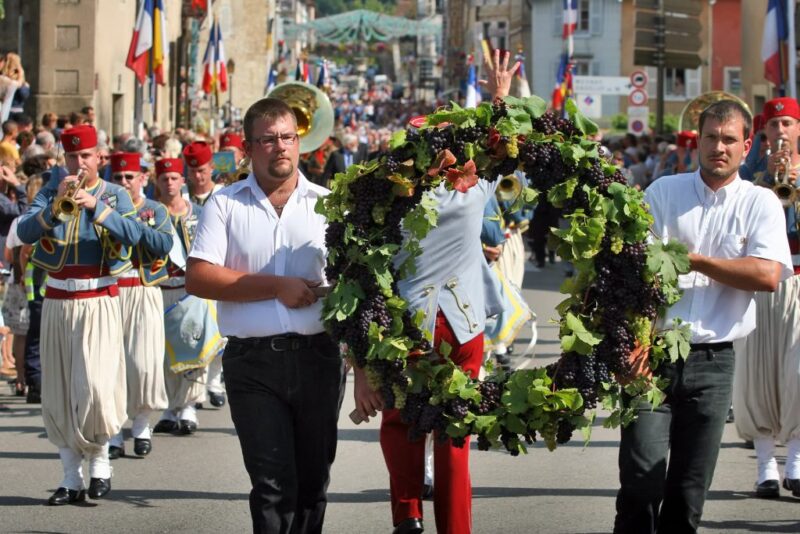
[774, 43]
[473, 88]
[570, 18]
[142, 42]
[215, 71]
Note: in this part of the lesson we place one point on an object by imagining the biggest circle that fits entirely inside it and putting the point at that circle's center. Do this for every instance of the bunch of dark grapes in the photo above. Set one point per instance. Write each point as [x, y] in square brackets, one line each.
[543, 164]
[391, 373]
[367, 191]
[334, 239]
[578, 200]
[499, 110]
[567, 127]
[462, 136]
[438, 139]
[564, 432]
[578, 371]
[457, 408]
[595, 177]
[504, 168]
[546, 124]
[490, 396]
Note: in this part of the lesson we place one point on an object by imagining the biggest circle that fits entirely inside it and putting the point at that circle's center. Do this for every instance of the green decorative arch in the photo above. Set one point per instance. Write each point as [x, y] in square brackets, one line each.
[362, 25]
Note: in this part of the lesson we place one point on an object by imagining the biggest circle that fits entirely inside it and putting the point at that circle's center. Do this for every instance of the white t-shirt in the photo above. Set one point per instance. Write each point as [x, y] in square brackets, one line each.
[240, 229]
[12, 241]
[738, 220]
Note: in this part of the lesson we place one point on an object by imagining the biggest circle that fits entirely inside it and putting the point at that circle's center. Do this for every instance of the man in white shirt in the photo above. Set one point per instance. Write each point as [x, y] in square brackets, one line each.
[729, 226]
[260, 252]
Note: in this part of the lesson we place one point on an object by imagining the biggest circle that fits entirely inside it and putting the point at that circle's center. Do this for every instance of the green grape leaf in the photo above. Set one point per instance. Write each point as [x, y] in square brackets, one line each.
[583, 123]
[507, 126]
[398, 139]
[420, 220]
[483, 113]
[535, 106]
[561, 192]
[423, 157]
[343, 300]
[668, 260]
[677, 341]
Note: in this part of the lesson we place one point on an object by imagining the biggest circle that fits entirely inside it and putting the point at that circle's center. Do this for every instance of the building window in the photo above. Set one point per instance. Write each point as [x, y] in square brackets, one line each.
[733, 80]
[497, 33]
[584, 17]
[66, 82]
[68, 37]
[582, 67]
[679, 84]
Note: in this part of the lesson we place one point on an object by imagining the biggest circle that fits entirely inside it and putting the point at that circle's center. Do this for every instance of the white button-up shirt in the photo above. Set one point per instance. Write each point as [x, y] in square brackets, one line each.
[240, 229]
[738, 220]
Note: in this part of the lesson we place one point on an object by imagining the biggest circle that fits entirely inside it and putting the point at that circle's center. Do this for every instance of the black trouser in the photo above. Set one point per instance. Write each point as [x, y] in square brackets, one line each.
[669, 498]
[33, 367]
[545, 216]
[285, 406]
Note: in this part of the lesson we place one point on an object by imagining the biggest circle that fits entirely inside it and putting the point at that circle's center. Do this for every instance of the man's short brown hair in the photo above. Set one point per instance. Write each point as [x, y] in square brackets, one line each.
[269, 109]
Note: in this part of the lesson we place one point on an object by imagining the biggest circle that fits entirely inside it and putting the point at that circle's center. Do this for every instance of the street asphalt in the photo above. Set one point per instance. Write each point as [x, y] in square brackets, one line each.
[198, 483]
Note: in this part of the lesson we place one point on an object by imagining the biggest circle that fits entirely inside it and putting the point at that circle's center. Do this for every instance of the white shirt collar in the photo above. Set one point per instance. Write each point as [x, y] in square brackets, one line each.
[704, 192]
[252, 183]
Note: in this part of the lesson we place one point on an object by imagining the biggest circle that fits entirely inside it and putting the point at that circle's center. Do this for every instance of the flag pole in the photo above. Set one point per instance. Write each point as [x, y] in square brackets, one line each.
[792, 64]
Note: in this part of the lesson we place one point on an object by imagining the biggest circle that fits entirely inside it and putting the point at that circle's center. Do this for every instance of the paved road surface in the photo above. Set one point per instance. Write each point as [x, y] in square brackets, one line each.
[198, 483]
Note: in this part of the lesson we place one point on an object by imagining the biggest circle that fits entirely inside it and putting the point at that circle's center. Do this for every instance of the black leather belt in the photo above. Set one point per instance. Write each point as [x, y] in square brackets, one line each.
[724, 345]
[280, 343]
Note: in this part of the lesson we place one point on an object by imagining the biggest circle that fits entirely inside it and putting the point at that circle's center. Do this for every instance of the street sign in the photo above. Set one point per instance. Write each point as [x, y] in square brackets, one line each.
[674, 42]
[590, 105]
[646, 20]
[601, 85]
[639, 79]
[688, 7]
[638, 119]
[638, 97]
[673, 60]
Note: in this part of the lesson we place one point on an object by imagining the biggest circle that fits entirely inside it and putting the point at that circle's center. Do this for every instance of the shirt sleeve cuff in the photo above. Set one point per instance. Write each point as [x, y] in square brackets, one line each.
[205, 256]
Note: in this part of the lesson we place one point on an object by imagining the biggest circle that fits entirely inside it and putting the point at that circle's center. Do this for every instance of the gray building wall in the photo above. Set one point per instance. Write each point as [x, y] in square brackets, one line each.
[598, 49]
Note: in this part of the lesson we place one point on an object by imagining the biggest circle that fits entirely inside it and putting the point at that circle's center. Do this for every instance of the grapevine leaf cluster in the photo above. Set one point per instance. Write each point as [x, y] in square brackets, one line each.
[378, 213]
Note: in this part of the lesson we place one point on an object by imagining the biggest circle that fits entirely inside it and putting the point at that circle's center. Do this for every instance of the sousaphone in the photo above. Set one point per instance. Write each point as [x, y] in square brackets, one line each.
[313, 111]
[690, 116]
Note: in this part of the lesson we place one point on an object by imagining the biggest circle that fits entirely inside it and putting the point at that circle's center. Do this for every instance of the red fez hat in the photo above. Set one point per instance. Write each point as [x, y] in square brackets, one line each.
[687, 139]
[197, 153]
[165, 165]
[758, 122]
[781, 107]
[231, 140]
[79, 138]
[125, 162]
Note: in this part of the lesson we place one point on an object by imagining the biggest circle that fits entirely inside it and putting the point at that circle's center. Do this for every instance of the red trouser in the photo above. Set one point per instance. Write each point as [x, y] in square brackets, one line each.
[452, 499]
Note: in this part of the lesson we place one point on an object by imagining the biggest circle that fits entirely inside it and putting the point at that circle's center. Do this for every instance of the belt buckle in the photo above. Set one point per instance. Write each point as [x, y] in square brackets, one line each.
[72, 285]
[273, 346]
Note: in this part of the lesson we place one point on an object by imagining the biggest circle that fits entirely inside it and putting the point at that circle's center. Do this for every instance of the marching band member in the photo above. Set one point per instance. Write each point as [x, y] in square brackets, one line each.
[199, 169]
[142, 307]
[83, 244]
[183, 389]
[767, 380]
[231, 142]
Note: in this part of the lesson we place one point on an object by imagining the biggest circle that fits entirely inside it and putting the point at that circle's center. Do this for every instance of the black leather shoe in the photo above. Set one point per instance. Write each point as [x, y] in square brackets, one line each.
[187, 427]
[142, 446]
[793, 485]
[165, 426]
[217, 400]
[412, 525]
[427, 492]
[99, 487]
[34, 395]
[115, 452]
[66, 496]
[769, 489]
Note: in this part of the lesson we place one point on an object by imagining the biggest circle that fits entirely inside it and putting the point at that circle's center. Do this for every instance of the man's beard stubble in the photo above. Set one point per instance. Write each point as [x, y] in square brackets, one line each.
[276, 172]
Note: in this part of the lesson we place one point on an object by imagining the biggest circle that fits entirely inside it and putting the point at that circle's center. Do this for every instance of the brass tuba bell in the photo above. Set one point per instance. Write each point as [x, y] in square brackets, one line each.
[311, 108]
[64, 206]
[509, 188]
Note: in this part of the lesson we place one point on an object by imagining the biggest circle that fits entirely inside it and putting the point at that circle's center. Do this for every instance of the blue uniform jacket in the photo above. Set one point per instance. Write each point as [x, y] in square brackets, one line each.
[150, 254]
[451, 273]
[100, 237]
[492, 230]
[185, 225]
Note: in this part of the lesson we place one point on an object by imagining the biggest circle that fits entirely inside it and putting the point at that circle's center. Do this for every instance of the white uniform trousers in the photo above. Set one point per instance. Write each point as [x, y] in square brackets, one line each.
[512, 258]
[83, 372]
[143, 327]
[181, 391]
[766, 387]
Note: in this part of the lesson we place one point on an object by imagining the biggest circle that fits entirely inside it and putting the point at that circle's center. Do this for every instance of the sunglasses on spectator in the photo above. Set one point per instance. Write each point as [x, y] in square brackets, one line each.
[119, 177]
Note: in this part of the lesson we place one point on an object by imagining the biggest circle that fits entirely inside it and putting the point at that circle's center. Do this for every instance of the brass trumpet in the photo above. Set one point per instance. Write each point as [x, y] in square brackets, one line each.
[509, 188]
[64, 206]
[785, 191]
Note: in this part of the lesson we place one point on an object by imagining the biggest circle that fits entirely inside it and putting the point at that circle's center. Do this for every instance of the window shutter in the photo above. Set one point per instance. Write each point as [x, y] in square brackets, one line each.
[652, 78]
[693, 79]
[596, 17]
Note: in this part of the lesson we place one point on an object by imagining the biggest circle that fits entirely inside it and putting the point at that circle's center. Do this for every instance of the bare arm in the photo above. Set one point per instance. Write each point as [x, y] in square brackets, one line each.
[206, 280]
[368, 401]
[748, 274]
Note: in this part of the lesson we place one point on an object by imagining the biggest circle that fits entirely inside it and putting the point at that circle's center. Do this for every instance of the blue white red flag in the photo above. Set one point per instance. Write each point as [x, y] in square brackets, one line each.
[774, 43]
[473, 88]
[570, 18]
[138, 53]
[215, 71]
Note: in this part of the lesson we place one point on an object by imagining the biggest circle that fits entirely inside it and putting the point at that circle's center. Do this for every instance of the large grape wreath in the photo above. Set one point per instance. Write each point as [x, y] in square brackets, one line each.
[624, 279]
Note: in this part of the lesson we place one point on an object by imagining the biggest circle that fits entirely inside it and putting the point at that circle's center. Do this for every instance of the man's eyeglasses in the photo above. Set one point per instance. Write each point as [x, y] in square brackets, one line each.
[119, 177]
[272, 140]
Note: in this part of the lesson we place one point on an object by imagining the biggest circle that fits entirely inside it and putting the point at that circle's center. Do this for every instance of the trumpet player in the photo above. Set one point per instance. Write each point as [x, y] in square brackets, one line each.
[84, 237]
[766, 392]
[142, 307]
